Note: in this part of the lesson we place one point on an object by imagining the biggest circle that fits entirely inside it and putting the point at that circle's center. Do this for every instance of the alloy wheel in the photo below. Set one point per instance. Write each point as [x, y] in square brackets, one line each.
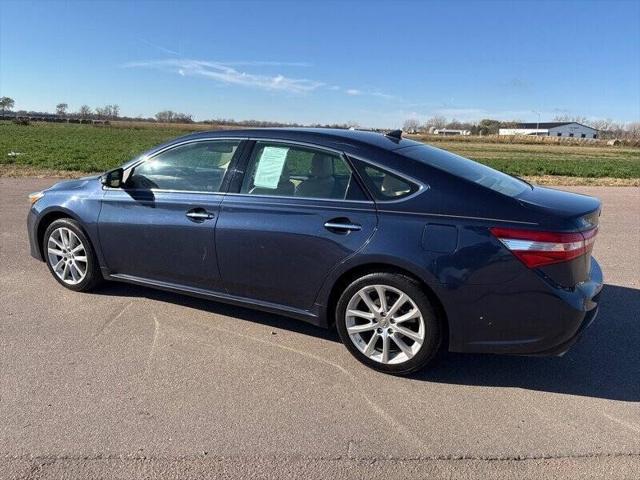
[385, 324]
[67, 256]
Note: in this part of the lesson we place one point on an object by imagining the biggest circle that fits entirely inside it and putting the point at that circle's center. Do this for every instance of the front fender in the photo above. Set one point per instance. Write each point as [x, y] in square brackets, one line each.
[80, 205]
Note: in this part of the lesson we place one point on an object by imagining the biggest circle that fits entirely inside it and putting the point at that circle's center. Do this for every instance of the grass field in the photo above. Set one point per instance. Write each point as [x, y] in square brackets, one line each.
[86, 148]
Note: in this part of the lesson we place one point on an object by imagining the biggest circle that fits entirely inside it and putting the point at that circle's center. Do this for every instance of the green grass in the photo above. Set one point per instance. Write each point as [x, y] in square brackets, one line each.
[87, 148]
[83, 148]
[536, 160]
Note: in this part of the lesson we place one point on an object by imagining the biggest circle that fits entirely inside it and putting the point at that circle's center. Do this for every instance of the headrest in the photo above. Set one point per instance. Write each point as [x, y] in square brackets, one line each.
[321, 165]
[393, 186]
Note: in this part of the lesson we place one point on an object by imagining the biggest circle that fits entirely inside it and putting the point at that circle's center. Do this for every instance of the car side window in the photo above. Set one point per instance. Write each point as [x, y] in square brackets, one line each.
[385, 185]
[285, 170]
[196, 167]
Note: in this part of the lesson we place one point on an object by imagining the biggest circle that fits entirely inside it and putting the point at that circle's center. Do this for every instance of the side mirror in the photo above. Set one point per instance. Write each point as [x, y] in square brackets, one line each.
[113, 178]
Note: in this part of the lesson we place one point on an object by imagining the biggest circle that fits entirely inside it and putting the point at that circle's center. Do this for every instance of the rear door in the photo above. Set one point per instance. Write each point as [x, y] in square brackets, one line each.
[160, 226]
[295, 214]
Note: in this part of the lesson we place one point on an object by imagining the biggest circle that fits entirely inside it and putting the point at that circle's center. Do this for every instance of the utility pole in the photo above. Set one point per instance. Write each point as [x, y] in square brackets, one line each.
[537, 124]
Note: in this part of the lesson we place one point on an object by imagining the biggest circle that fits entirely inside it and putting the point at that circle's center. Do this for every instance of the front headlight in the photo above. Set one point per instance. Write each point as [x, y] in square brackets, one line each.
[35, 196]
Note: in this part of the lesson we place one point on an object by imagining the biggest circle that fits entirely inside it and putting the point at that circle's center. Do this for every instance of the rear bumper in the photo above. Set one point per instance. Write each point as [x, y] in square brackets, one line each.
[589, 294]
[563, 347]
[529, 318]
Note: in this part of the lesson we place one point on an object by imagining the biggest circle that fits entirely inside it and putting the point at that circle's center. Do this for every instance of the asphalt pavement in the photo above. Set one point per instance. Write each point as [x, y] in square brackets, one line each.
[129, 382]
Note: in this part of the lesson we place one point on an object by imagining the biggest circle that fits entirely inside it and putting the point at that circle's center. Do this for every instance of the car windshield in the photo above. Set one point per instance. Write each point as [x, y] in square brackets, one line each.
[467, 169]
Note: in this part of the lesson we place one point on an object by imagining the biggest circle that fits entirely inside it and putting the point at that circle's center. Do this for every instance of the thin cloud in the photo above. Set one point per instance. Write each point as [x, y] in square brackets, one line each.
[371, 93]
[386, 96]
[262, 63]
[226, 74]
[159, 47]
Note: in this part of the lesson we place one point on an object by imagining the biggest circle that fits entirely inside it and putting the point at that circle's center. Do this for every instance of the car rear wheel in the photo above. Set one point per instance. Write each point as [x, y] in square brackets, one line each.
[70, 256]
[387, 322]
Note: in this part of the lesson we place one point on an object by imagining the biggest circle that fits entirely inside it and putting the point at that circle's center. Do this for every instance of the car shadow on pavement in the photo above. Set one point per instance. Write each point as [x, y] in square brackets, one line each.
[605, 363]
[217, 308]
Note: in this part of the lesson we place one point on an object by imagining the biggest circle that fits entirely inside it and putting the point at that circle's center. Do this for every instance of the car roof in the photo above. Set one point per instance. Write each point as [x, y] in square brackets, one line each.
[348, 140]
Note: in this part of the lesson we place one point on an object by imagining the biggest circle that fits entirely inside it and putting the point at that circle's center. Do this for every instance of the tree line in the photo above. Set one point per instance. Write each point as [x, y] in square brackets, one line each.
[108, 112]
[112, 112]
[487, 126]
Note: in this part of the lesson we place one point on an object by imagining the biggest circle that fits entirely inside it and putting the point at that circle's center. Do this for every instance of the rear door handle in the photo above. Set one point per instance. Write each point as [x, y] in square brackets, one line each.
[199, 214]
[342, 226]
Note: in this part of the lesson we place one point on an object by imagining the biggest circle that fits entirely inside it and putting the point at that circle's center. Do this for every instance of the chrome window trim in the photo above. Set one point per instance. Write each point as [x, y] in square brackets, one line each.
[163, 190]
[298, 142]
[422, 187]
[287, 197]
[186, 142]
[302, 205]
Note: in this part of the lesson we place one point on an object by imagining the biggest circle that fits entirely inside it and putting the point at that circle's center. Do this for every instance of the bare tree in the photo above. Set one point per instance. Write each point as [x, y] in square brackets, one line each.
[183, 118]
[102, 112]
[633, 129]
[108, 111]
[165, 116]
[6, 103]
[569, 118]
[61, 109]
[168, 116]
[603, 125]
[437, 121]
[85, 111]
[411, 125]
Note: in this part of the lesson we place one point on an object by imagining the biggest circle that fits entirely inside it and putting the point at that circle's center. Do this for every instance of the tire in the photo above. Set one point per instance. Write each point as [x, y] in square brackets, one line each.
[420, 334]
[63, 245]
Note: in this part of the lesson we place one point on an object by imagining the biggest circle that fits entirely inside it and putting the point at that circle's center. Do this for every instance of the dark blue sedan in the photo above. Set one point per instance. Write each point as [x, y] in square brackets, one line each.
[403, 247]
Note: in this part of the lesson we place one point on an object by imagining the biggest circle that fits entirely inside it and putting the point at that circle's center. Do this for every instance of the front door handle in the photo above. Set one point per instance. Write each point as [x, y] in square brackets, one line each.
[199, 214]
[342, 225]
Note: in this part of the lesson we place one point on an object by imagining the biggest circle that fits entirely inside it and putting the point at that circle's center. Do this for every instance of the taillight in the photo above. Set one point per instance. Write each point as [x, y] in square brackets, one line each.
[536, 249]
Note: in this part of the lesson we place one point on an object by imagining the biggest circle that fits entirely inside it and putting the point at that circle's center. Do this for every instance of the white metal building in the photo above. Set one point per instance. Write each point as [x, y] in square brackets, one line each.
[552, 129]
[450, 131]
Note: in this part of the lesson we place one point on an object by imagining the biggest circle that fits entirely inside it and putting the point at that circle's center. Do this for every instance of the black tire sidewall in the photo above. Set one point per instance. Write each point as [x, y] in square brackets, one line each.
[433, 329]
[93, 276]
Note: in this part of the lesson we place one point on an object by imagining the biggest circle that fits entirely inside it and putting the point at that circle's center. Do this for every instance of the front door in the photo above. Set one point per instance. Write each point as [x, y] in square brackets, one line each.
[298, 213]
[160, 226]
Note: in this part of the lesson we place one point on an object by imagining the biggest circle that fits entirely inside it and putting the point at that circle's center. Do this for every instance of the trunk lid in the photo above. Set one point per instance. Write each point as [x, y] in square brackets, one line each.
[565, 212]
[560, 210]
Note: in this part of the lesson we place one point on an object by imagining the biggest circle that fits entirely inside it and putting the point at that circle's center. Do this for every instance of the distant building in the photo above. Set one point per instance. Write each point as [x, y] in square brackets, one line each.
[552, 129]
[450, 131]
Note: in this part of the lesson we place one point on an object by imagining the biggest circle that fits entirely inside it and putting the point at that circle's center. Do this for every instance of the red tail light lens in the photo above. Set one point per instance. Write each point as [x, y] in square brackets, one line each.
[536, 249]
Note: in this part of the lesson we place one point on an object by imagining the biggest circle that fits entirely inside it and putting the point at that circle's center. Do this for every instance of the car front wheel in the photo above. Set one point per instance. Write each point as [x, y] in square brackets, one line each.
[70, 256]
[387, 322]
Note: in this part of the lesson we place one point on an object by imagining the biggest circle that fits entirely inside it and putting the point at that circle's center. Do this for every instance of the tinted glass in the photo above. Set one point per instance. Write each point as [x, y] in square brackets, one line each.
[387, 186]
[198, 166]
[294, 171]
[467, 169]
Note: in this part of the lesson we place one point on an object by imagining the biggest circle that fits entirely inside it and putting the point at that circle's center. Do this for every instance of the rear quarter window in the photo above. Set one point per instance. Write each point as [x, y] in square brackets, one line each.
[385, 185]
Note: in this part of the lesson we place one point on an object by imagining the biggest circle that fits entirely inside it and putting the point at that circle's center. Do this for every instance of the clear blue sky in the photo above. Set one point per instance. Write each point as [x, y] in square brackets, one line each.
[376, 63]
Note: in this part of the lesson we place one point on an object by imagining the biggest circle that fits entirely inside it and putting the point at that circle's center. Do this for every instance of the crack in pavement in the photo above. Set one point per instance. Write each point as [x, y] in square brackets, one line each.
[421, 458]
[374, 406]
[156, 332]
[110, 321]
